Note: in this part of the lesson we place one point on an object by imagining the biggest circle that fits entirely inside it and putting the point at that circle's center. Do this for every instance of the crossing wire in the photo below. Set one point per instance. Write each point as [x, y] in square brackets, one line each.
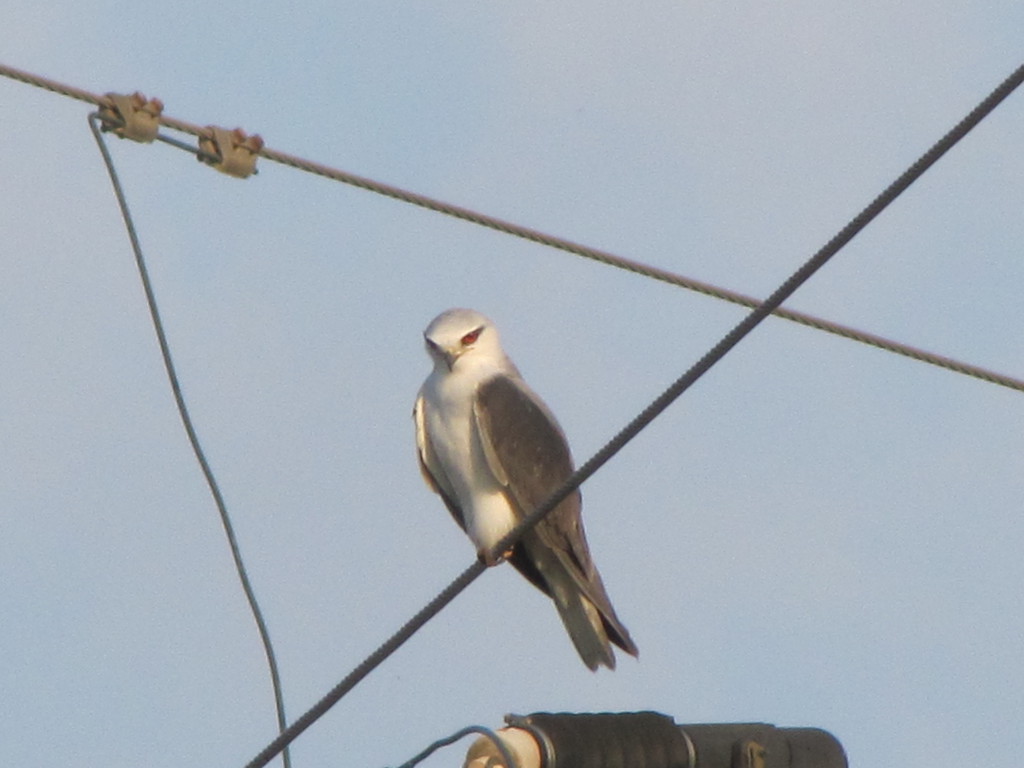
[193, 438]
[536, 236]
[631, 430]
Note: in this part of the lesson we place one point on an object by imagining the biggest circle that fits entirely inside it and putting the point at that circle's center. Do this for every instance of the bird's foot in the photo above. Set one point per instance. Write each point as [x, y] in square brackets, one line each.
[488, 558]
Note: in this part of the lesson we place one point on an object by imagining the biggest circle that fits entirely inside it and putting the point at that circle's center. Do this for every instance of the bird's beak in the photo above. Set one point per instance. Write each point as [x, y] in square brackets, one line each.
[441, 353]
[449, 358]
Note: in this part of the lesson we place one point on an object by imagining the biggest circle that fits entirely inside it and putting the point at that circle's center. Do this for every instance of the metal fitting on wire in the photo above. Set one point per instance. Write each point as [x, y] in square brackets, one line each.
[131, 117]
[230, 152]
[653, 740]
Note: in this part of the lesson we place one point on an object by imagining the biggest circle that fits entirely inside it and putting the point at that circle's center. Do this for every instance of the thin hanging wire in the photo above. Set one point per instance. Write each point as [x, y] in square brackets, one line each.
[186, 420]
[503, 750]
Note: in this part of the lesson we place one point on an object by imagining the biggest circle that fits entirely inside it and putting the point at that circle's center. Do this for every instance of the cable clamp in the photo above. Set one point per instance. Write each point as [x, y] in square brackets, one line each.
[132, 117]
[230, 152]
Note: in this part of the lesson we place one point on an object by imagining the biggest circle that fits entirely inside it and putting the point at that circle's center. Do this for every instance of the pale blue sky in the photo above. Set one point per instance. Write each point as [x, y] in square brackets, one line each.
[817, 534]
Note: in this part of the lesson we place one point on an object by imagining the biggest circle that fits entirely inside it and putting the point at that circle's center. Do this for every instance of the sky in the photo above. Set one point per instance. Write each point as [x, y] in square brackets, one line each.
[817, 533]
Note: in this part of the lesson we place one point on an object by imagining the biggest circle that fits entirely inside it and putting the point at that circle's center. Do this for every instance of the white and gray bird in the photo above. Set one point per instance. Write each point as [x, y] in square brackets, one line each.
[489, 446]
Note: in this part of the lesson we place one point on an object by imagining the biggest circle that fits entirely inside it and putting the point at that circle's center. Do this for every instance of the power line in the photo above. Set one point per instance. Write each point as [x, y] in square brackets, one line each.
[52, 85]
[631, 430]
[193, 438]
[568, 246]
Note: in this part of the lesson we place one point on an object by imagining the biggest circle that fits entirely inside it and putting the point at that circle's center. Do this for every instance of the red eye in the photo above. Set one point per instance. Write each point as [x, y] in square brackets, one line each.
[471, 337]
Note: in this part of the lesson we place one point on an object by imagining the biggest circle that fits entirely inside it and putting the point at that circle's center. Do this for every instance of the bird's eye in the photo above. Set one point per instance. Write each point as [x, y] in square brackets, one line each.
[471, 337]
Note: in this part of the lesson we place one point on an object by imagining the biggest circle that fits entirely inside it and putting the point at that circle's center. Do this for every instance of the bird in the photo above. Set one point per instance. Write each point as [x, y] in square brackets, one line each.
[493, 451]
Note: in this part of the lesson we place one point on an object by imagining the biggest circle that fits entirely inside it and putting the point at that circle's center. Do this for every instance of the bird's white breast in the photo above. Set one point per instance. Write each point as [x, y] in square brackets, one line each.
[450, 426]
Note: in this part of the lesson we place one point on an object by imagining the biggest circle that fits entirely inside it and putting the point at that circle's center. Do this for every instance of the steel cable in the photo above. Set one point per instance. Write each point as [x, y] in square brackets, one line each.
[730, 340]
[558, 243]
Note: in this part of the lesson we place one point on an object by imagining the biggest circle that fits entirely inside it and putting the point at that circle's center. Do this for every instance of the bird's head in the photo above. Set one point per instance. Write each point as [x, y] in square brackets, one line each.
[462, 333]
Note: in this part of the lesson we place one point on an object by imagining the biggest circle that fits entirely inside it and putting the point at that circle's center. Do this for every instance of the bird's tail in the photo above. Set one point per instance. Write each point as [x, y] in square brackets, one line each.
[586, 629]
[582, 604]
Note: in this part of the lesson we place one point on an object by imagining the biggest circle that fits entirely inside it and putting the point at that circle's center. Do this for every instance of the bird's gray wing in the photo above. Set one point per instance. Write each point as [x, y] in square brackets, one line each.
[528, 453]
[431, 469]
